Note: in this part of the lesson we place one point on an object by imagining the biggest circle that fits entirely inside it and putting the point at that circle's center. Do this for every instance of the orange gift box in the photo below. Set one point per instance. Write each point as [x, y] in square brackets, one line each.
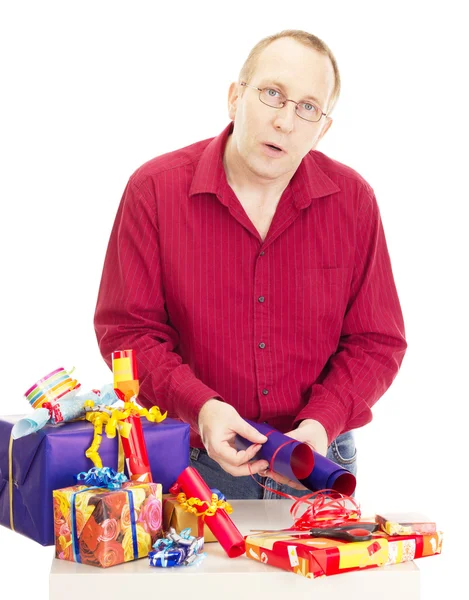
[175, 516]
[103, 527]
[316, 557]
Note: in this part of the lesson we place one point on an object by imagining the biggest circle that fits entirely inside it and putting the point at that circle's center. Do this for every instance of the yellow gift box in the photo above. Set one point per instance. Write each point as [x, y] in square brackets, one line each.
[175, 516]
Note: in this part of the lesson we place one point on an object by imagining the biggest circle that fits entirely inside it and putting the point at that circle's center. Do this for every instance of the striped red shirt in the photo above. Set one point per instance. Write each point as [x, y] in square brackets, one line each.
[305, 324]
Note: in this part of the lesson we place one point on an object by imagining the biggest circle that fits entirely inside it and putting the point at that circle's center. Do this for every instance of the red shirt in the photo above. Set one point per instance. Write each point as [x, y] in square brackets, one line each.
[305, 324]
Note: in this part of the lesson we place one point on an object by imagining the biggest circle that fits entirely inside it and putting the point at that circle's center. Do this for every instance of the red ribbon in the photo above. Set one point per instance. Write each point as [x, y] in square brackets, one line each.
[54, 411]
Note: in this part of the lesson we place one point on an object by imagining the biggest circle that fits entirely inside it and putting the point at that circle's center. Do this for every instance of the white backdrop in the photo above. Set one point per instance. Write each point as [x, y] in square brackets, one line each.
[91, 90]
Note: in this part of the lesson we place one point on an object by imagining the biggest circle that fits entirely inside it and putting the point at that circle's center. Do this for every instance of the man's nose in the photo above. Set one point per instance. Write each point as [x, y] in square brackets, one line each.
[285, 117]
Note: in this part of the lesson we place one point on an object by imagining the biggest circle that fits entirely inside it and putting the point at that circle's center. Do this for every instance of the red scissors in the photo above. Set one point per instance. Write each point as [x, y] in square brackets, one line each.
[349, 532]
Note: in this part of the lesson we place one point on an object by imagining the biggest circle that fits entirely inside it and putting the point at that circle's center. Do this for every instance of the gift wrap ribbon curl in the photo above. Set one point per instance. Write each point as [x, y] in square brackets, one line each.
[113, 421]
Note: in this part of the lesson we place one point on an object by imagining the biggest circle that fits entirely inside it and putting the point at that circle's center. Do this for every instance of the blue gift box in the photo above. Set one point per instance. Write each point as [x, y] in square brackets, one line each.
[48, 460]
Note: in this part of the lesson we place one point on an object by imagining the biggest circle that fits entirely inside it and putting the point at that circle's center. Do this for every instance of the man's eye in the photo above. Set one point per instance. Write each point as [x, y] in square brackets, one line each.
[309, 107]
[271, 92]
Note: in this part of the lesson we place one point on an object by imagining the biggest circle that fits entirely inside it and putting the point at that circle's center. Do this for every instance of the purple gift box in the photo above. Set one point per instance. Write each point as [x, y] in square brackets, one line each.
[48, 460]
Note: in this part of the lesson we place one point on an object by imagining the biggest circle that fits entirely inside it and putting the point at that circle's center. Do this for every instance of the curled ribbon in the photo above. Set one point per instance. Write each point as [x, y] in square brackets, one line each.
[105, 477]
[54, 411]
[113, 421]
[176, 549]
[190, 504]
[324, 509]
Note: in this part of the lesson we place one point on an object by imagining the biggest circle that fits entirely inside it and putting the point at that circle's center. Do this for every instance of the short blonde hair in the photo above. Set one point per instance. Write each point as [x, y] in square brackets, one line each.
[303, 37]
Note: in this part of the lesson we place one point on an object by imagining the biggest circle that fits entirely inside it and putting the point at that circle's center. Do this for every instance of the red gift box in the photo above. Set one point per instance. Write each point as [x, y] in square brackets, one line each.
[316, 557]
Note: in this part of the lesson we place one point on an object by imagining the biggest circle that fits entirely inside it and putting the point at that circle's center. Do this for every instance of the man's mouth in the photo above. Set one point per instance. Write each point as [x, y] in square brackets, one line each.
[274, 148]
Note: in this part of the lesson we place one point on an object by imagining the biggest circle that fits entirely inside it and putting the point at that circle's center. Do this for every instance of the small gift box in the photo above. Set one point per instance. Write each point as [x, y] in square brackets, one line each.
[176, 517]
[316, 557]
[102, 527]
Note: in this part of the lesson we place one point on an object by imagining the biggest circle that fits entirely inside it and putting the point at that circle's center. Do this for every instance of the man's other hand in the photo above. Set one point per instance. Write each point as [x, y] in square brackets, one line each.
[219, 423]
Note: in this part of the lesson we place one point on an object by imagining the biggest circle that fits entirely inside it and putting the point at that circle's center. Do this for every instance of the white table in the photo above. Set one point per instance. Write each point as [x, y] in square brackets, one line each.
[231, 577]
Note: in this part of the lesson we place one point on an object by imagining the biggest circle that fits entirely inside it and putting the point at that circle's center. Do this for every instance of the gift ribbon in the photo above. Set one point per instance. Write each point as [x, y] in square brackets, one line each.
[54, 411]
[190, 504]
[75, 544]
[325, 508]
[113, 420]
[176, 549]
[105, 477]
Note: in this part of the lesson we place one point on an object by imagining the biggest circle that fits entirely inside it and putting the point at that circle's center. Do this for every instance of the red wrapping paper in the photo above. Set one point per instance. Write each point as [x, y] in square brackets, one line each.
[135, 451]
[220, 523]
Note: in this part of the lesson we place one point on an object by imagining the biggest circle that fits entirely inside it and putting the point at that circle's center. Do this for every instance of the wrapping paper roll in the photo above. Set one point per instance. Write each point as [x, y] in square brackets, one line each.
[219, 523]
[124, 368]
[135, 451]
[298, 461]
[329, 475]
[286, 456]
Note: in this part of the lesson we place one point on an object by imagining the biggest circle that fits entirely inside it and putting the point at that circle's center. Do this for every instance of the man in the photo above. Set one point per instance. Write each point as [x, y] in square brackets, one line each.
[250, 274]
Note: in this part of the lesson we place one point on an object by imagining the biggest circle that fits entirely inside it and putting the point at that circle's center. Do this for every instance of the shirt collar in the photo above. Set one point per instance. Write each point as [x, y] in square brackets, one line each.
[308, 182]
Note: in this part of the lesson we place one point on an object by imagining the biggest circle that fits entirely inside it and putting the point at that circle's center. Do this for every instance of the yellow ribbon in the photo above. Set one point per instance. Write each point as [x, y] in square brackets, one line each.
[113, 420]
[10, 482]
[189, 505]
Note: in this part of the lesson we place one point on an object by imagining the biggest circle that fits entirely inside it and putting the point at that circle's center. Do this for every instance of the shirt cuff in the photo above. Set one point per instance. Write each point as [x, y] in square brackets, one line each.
[328, 410]
[189, 394]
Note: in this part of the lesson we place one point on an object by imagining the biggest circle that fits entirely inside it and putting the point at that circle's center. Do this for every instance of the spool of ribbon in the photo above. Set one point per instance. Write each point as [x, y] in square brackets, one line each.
[52, 387]
[177, 549]
[68, 408]
[219, 523]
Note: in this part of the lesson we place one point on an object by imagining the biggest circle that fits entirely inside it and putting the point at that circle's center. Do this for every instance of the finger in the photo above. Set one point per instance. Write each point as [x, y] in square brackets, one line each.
[244, 469]
[249, 432]
[259, 466]
[232, 457]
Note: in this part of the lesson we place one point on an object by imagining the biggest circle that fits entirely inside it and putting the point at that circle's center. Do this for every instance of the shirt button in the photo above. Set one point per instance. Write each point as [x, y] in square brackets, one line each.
[265, 392]
[261, 298]
[262, 253]
[262, 345]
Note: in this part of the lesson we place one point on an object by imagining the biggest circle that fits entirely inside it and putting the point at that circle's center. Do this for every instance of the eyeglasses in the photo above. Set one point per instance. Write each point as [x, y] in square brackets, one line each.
[275, 99]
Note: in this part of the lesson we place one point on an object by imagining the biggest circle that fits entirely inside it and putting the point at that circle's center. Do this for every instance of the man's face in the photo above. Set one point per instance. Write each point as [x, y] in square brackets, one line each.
[302, 74]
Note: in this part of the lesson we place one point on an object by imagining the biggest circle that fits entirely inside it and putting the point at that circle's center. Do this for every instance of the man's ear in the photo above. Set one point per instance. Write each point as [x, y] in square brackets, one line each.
[233, 99]
[324, 131]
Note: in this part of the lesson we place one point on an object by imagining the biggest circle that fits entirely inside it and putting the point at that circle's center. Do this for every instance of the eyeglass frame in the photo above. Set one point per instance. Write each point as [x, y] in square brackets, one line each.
[260, 90]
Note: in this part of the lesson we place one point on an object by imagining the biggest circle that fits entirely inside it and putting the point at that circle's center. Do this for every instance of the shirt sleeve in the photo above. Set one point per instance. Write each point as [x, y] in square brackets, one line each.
[372, 343]
[130, 311]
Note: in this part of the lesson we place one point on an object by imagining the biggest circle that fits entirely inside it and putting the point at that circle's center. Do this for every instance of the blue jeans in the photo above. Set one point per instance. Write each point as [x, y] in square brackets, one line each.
[342, 451]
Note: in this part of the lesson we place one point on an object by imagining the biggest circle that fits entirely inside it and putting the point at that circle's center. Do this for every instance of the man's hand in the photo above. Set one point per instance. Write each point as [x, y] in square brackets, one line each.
[218, 425]
[310, 432]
